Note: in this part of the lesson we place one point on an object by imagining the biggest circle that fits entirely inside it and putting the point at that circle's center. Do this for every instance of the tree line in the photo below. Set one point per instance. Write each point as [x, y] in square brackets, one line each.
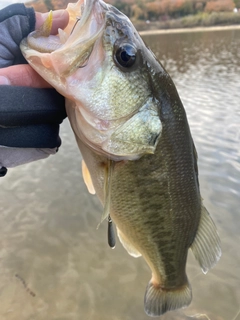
[163, 9]
[151, 9]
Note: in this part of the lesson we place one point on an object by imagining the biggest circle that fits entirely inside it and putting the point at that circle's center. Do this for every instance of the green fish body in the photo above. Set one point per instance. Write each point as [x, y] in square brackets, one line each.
[133, 134]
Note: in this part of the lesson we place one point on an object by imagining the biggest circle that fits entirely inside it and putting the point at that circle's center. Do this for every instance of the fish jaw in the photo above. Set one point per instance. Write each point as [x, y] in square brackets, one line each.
[56, 58]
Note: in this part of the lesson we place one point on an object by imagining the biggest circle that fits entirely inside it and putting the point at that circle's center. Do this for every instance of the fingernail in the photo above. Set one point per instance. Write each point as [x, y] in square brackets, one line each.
[4, 81]
[58, 13]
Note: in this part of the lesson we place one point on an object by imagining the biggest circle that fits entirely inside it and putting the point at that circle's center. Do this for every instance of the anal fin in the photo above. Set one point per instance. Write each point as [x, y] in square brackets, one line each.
[206, 246]
[127, 245]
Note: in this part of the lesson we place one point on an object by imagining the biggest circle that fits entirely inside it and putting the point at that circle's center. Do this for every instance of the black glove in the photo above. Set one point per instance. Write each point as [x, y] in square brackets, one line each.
[29, 117]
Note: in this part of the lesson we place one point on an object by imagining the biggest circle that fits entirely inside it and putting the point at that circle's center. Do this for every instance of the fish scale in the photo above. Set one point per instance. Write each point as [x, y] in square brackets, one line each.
[151, 208]
[133, 134]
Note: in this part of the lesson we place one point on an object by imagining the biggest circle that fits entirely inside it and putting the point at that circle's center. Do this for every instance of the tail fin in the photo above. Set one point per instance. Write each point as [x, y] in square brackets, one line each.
[158, 300]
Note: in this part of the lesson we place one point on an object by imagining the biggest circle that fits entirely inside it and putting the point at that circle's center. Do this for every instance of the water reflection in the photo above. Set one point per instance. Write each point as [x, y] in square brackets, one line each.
[49, 244]
[178, 53]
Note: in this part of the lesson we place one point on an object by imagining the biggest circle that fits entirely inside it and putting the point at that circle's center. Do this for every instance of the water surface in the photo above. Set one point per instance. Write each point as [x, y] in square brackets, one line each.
[55, 265]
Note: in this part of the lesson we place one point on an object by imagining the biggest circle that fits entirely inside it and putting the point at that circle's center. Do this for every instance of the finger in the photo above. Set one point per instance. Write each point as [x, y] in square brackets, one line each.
[60, 20]
[22, 75]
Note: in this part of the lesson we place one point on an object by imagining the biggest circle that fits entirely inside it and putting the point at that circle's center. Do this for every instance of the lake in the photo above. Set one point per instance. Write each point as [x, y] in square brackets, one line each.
[55, 265]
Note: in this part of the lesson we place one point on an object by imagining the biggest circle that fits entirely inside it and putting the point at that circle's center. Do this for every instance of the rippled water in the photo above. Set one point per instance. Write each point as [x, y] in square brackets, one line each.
[55, 265]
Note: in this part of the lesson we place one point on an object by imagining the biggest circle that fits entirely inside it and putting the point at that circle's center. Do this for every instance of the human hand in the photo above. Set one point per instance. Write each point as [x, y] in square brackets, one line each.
[30, 111]
[23, 21]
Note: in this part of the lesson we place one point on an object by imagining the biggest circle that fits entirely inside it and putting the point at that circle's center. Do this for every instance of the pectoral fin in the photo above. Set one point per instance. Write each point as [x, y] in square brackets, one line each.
[107, 190]
[87, 178]
[206, 246]
[127, 245]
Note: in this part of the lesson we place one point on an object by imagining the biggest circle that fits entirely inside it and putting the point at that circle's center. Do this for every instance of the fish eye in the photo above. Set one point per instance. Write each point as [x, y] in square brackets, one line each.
[126, 55]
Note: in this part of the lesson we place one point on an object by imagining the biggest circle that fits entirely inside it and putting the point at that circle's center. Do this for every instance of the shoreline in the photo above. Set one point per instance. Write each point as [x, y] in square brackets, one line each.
[185, 30]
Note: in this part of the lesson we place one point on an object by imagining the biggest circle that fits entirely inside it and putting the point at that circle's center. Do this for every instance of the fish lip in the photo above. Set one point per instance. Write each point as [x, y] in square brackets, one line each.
[67, 56]
[83, 18]
[90, 11]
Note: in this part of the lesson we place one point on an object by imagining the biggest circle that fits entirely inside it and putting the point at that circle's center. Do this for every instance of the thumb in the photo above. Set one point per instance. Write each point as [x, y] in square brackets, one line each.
[22, 75]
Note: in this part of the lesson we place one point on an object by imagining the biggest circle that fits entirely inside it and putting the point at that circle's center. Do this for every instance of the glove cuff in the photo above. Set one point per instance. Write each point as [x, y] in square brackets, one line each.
[19, 9]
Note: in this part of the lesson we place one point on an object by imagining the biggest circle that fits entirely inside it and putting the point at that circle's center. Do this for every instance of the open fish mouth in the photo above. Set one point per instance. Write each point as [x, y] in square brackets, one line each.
[86, 25]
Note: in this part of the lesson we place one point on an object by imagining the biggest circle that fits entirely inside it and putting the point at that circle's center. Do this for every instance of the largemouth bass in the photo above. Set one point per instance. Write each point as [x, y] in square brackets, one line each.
[132, 131]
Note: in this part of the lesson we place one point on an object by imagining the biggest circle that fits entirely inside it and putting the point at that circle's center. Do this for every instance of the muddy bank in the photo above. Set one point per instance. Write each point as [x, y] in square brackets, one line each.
[196, 29]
